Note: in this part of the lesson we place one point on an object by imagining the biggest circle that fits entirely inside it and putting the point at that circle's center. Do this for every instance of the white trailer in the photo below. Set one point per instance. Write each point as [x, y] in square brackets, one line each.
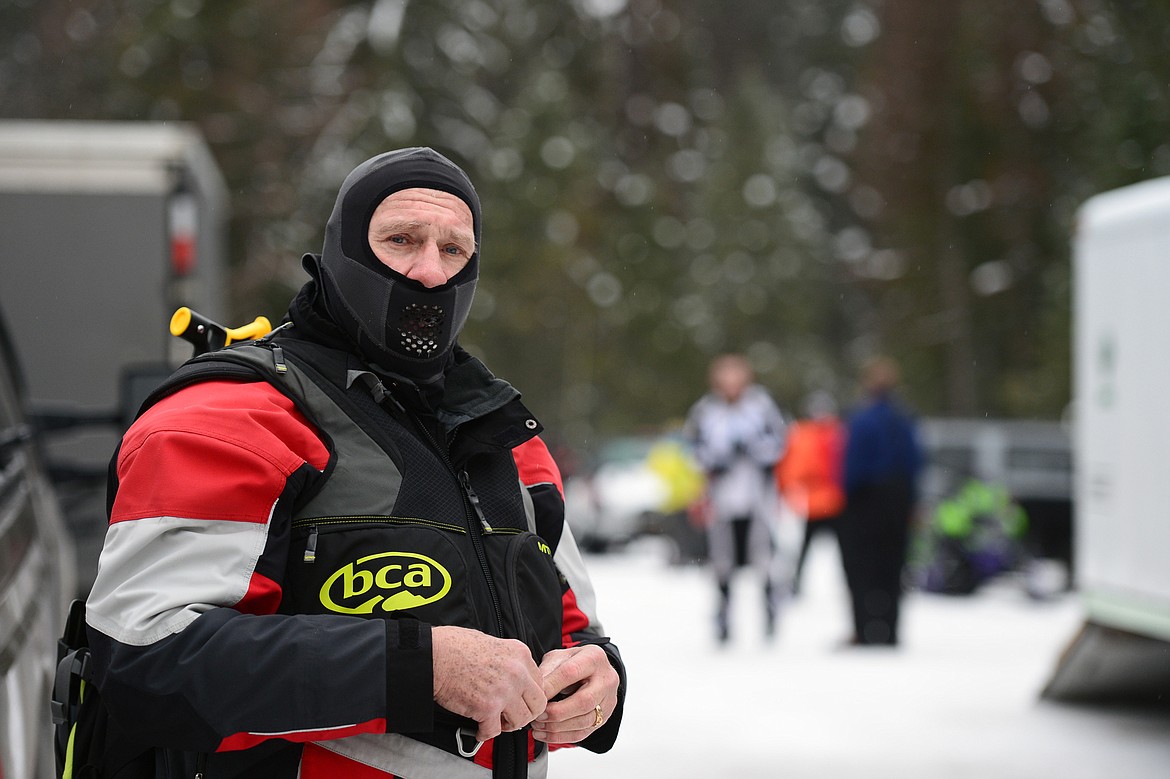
[105, 229]
[1121, 345]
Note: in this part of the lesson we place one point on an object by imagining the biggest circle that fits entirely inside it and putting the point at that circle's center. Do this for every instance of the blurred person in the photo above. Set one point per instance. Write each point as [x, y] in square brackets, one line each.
[341, 550]
[737, 433]
[883, 460]
[809, 472]
[670, 461]
[975, 534]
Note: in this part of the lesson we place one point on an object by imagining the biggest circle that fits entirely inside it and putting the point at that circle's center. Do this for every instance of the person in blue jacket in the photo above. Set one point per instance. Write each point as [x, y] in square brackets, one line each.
[883, 460]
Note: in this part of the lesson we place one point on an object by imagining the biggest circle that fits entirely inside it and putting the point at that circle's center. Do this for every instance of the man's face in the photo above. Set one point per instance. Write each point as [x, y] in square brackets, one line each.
[426, 235]
[729, 378]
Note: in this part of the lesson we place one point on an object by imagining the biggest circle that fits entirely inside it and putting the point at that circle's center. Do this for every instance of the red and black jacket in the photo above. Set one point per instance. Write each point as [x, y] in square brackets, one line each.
[287, 525]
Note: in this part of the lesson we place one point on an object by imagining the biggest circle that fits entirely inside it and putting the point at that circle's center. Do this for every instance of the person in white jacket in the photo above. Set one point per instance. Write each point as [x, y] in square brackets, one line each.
[737, 432]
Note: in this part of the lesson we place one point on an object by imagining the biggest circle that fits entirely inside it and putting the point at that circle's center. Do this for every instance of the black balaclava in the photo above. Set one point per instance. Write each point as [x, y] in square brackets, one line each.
[397, 323]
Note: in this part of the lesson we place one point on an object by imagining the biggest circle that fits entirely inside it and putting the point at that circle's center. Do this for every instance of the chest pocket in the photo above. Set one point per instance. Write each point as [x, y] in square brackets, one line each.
[532, 609]
[392, 567]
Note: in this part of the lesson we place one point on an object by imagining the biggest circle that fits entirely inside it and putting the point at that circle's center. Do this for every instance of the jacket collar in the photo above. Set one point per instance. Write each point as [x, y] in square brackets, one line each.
[485, 408]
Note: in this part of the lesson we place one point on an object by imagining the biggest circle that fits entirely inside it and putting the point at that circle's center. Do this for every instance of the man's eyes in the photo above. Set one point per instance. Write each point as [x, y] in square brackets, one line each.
[402, 239]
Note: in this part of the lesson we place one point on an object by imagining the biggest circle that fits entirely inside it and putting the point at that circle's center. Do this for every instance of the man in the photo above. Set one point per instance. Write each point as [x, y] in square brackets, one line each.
[882, 462]
[341, 551]
[738, 434]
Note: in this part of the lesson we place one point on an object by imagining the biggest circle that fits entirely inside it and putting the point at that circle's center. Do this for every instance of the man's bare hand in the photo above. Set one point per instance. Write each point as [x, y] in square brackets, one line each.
[585, 676]
[491, 680]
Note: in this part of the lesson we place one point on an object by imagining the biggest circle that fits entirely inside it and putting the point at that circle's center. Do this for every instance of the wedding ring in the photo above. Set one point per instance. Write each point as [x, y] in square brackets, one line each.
[598, 717]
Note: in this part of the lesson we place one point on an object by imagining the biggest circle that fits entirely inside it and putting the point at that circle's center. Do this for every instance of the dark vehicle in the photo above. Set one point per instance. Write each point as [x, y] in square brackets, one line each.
[145, 206]
[37, 580]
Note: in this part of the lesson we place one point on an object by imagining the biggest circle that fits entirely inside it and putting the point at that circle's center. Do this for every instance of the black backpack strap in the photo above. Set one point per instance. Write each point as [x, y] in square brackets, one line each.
[74, 672]
[226, 363]
[190, 372]
[73, 636]
[73, 664]
[195, 371]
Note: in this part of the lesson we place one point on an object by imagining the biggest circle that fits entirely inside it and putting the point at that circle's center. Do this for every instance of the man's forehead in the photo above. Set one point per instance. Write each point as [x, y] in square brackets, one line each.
[422, 197]
[420, 208]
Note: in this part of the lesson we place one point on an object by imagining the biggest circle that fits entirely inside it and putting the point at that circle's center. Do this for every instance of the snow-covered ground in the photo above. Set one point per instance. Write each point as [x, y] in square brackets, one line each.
[960, 697]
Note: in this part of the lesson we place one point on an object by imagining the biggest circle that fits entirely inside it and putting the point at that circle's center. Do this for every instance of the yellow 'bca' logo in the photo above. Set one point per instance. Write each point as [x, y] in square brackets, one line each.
[392, 581]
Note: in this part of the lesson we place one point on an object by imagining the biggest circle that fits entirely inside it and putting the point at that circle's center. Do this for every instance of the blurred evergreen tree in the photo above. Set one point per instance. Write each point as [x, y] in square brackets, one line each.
[808, 181]
[992, 122]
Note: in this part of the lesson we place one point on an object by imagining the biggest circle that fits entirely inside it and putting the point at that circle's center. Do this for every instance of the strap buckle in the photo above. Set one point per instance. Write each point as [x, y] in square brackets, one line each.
[462, 738]
[73, 669]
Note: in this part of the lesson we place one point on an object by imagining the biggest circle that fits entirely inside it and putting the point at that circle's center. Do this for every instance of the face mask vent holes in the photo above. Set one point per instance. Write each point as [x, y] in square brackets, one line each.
[419, 328]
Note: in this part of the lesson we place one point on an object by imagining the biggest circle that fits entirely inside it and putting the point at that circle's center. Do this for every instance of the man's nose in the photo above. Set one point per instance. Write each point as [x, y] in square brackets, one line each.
[428, 269]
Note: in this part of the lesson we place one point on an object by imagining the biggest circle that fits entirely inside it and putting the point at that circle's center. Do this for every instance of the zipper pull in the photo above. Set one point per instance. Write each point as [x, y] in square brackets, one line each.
[278, 359]
[380, 394]
[311, 546]
[474, 498]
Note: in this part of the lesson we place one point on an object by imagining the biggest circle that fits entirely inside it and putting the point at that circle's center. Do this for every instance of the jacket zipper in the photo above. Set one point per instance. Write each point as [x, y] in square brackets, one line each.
[310, 555]
[475, 530]
[465, 482]
[508, 746]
